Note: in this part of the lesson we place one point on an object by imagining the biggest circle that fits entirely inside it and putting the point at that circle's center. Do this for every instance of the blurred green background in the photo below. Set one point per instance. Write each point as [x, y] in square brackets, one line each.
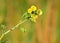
[45, 30]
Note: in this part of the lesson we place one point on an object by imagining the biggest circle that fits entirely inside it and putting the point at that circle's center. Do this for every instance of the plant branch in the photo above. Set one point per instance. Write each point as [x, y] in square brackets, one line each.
[11, 29]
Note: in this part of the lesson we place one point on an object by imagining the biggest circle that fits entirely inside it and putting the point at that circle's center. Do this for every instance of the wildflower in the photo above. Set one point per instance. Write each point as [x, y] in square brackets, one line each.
[32, 9]
[39, 12]
[34, 13]
[33, 18]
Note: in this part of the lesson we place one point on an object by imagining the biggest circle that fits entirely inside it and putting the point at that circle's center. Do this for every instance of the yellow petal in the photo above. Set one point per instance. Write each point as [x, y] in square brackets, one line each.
[33, 8]
[34, 20]
[33, 17]
[39, 12]
[29, 10]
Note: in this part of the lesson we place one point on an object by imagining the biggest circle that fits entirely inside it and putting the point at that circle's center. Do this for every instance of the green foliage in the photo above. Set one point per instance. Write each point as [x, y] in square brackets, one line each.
[23, 29]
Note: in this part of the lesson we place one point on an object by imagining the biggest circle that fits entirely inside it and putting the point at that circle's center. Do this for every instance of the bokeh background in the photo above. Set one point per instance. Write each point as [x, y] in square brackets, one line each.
[45, 30]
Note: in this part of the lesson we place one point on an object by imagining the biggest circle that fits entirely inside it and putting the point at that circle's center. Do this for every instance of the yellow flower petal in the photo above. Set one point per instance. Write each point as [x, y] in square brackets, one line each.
[33, 17]
[29, 10]
[33, 8]
[34, 20]
[39, 12]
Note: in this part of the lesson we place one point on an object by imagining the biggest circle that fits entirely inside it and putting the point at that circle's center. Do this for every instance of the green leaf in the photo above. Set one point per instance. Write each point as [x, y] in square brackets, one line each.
[23, 29]
[27, 15]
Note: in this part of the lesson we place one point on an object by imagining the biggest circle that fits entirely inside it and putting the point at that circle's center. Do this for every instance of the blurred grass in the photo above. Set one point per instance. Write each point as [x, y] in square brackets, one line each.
[58, 24]
[11, 12]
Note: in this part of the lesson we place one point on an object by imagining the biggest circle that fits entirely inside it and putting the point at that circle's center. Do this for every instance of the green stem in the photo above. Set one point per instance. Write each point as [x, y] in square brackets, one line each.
[11, 29]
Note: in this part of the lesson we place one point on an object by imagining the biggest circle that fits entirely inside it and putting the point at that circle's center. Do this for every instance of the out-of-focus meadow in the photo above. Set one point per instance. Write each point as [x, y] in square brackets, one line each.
[45, 30]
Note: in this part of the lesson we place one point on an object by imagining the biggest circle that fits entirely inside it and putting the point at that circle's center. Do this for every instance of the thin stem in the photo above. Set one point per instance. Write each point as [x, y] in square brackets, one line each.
[11, 29]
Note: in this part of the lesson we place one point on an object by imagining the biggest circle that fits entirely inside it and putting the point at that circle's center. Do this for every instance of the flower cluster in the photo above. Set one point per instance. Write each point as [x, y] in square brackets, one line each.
[34, 13]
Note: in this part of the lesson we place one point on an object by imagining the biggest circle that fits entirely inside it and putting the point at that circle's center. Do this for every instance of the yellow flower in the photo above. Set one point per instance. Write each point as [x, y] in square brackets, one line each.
[34, 13]
[33, 8]
[39, 12]
[33, 18]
